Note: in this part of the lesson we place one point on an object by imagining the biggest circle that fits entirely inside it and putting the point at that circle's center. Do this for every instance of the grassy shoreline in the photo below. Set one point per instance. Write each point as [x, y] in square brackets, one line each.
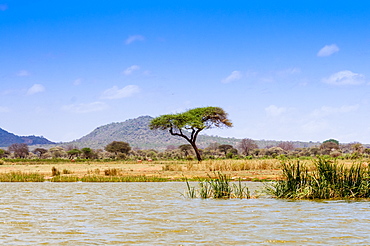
[157, 171]
[247, 170]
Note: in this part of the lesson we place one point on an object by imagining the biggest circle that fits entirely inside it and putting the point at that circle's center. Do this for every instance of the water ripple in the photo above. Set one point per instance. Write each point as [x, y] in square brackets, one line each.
[157, 213]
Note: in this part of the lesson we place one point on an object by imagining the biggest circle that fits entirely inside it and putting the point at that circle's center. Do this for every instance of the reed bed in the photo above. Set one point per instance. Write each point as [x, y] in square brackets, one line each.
[21, 177]
[328, 180]
[218, 187]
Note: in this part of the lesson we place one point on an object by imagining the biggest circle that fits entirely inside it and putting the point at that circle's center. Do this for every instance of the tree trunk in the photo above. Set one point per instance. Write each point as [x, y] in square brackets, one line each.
[196, 151]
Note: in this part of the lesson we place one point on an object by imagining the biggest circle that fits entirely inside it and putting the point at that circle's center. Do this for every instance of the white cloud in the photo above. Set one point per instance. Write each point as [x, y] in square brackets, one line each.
[235, 75]
[4, 109]
[134, 38]
[85, 107]
[273, 110]
[328, 50]
[36, 88]
[345, 77]
[3, 7]
[131, 69]
[116, 93]
[23, 73]
[325, 110]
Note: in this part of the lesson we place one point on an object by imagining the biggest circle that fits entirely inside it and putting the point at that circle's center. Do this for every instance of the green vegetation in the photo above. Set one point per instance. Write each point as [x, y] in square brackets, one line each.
[21, 177]
[327, 180]
[97, 178]
[218, 187]
[190, 123]
[118, 148]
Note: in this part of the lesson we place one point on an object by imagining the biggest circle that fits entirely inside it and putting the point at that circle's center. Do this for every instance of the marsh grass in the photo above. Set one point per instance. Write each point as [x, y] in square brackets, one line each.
[21, 177]
[327, 180]
[97, 178]
[218, 187]
[191, 193]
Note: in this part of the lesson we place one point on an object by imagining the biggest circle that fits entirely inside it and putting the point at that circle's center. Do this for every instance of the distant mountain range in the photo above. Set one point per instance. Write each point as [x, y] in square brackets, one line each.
[7, 138]
[136, 132]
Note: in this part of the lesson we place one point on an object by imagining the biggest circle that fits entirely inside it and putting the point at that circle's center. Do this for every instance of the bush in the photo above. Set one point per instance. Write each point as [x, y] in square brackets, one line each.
[55, 172]
[111, 172]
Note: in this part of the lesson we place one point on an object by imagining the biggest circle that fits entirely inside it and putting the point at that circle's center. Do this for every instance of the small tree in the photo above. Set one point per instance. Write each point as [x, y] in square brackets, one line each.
[73, 153]
[225, 148]
[357, 148]
[190, 123]
[117, 147]
[332, 141]
[87, 152]
[247, 145]
[20, 150]
[185, 148]
[286, 145]
[57, 152]
[328, 146]
[40, 151]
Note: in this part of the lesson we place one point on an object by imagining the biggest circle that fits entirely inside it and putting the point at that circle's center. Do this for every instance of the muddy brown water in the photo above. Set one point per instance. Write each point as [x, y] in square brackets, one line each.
[158, 214]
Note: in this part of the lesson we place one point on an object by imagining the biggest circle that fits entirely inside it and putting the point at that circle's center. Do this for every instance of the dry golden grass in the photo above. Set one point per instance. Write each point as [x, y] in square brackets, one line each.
[256, 169]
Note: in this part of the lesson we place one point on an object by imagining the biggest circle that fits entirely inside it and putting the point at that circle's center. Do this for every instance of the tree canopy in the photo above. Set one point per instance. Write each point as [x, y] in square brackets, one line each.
[118, 147]
[190, 123]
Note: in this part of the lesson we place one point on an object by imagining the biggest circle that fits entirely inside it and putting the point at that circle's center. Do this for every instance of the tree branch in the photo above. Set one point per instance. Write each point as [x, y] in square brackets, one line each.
[179, 134]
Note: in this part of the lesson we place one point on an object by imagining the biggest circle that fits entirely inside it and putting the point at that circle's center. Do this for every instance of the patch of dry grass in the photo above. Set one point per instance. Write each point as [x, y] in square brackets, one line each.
[255, 169]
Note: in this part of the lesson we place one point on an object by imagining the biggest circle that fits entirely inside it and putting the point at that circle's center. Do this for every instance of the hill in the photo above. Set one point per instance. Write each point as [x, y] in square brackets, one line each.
[7, 138]
[136, 132]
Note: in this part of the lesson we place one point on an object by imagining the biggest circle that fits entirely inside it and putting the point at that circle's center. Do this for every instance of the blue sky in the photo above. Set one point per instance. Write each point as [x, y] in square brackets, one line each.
[283, 70]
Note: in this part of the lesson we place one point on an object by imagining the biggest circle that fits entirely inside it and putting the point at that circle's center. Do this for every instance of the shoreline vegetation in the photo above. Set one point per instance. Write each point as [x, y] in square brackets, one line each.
[61, 170]
[314, 178]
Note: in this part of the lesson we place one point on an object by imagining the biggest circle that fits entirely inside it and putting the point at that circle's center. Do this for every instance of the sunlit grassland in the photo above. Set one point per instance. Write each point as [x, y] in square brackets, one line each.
[174, 170]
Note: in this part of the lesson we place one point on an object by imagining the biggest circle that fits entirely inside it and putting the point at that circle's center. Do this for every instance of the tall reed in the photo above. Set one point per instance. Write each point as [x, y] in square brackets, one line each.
[218, 187]
[328, 180]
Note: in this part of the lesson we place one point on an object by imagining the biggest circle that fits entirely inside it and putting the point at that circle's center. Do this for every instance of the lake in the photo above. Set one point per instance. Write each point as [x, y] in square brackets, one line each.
[159, 214]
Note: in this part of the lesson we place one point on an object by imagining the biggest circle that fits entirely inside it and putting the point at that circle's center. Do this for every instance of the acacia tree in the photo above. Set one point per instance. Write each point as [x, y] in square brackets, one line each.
[20, 150]
[225, 148]
[40, 151]
[118, 147]
[185, 148]
[328, 146]
[190, 123]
